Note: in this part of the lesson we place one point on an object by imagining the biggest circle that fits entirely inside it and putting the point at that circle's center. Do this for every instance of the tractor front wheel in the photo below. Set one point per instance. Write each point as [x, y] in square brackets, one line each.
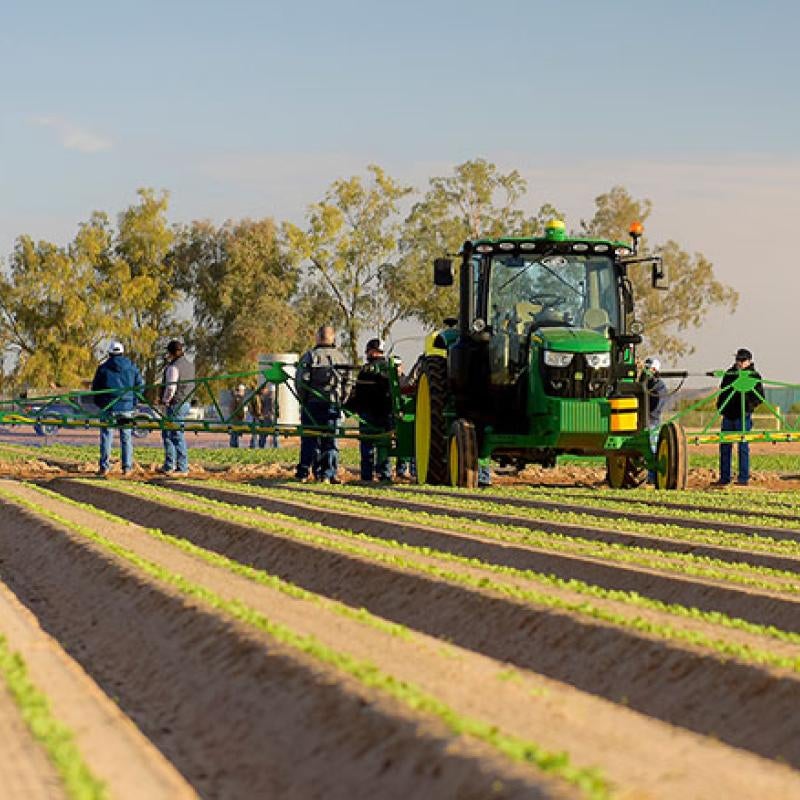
[625, 471]
[463, 455]
[672, 461]
[430, 434]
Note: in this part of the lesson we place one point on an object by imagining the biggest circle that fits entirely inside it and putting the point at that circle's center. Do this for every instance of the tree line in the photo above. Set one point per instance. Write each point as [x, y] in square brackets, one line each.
[245, 287]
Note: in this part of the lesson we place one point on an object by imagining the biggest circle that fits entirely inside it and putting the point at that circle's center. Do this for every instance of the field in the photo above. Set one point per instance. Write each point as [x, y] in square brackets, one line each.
[238, 635]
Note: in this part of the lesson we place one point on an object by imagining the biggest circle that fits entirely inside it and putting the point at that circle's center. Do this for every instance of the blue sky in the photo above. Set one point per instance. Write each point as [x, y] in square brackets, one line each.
[252, 108]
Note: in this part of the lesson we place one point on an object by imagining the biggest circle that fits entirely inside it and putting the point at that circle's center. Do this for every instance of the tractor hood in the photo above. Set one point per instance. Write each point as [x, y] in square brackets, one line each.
[572, 340]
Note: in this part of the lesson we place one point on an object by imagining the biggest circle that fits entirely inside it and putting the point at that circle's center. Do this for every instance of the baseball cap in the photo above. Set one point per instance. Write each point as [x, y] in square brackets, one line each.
[374, 344]
[653, 363]
[743, 354]
[116, 348]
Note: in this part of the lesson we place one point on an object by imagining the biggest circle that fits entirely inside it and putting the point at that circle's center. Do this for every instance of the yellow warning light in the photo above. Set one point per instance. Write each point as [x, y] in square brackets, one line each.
[636, 228]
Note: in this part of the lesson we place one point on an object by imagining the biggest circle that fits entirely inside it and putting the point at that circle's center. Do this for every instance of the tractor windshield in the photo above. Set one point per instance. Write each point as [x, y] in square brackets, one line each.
[572, 290]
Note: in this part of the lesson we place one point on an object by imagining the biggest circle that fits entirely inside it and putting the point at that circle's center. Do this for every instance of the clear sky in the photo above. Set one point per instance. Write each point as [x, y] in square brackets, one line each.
[244, 108]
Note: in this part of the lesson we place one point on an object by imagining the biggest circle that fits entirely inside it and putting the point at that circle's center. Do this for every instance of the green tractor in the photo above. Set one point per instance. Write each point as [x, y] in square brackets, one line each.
[541, 362]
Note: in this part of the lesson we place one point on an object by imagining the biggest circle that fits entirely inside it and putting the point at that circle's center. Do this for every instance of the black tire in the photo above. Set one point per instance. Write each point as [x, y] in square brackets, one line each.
[672, 460]
[430, 433]
[463, 455]
[625, 471]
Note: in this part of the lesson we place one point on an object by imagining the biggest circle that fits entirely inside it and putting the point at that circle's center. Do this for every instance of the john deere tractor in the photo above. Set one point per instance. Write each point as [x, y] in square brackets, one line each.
[541, 362]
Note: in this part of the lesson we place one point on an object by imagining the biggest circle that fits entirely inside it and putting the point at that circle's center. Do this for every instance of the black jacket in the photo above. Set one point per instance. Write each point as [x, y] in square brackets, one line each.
[729, 400]
[371, 396]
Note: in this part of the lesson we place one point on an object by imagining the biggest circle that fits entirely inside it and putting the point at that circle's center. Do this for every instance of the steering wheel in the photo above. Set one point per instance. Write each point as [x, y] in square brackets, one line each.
[548, 299]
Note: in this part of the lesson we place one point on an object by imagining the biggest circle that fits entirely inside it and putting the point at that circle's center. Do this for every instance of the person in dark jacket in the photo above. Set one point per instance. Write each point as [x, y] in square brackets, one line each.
[117, 381]
[741, 392]
[178, 385]
[264, 410]
[323, 383]
[656, 392]
[372, 401]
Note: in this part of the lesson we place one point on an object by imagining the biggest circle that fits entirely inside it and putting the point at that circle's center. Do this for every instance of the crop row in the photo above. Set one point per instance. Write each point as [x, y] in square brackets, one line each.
[57, 740]
[568, 595]
[363, 671]
[689, 564]
[463, 502]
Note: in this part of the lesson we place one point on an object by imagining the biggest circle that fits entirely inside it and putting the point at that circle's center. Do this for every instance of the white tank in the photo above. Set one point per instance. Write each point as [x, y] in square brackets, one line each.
[288, 407]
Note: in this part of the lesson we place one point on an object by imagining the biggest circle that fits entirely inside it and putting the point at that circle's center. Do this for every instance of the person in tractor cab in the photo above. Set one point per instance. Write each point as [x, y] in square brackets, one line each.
[116, 381]
[371, 400]
[656, 391]
[323, 381]
[736, 405]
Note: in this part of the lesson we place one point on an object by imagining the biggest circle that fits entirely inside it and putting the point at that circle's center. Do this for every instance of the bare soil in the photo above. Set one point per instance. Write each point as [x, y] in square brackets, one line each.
[646, 758]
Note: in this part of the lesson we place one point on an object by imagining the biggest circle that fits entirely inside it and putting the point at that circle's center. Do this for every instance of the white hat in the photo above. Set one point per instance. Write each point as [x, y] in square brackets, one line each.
[116, 348]
[653, 363]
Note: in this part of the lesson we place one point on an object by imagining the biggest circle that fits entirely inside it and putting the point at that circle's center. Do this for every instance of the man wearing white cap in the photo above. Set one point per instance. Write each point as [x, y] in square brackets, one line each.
[656, 391]
[117, 382]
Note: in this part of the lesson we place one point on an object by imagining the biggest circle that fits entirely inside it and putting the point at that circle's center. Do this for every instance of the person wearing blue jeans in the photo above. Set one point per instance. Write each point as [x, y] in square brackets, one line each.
[176, 453]
[319, 454]
[741, 392]
[656, 394]
[116, 383]
[178, 385]
[322, 381]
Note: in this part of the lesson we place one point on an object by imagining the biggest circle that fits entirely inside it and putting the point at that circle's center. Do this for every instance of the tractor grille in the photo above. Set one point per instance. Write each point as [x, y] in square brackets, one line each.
[577, 380]
[582, 417]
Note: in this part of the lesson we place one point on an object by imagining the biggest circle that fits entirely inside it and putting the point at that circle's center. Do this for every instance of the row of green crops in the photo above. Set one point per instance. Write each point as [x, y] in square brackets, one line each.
[365, 672]
[57, 740]
[445, 566]
[435, 513]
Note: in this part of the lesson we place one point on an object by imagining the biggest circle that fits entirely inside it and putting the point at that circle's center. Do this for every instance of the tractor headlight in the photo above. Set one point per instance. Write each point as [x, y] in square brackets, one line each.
[598, 360]
[554, 359]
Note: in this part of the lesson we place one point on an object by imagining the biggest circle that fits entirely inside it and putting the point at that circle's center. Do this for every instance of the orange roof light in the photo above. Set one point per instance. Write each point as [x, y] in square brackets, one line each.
[636, 228]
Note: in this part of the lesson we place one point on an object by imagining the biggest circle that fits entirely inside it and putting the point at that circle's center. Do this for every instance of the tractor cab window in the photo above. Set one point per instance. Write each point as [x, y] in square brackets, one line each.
[528, 292]
[575, 290]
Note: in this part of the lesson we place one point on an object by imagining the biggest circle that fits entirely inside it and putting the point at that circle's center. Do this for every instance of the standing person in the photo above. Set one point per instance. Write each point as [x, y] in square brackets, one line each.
[177, 386]
[117, 379]
[405, 467]
[656, 391]
[322, 383]
[372, 401]
[238, 411]
[741, 392]
[264, 410]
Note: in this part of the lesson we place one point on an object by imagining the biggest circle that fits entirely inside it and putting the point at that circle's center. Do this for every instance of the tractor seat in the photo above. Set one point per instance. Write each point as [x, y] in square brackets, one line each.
[525, 311]
[596, 318]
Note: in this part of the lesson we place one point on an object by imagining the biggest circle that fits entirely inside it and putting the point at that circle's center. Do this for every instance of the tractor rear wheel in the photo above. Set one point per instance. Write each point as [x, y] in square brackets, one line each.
[463, 455]
[430, 434]
[625, 471]
[672, 461]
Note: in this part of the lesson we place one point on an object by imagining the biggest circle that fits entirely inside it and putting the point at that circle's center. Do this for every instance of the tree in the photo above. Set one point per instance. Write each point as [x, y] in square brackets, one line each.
[142, 278]
[693, 291]
[240, 281]
[476, 201]
[53, 310]
[346, 250]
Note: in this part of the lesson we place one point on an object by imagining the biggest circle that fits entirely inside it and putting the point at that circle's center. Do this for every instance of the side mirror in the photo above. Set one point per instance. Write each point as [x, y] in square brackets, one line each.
[443, 272]
[660, 275]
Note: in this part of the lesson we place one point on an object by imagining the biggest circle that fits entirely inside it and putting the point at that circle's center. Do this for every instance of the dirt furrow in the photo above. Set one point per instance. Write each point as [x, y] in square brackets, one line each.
[578, 530]
[739, 703]
[239, 713]
[753, 605]
[113, 748]
[25, 771]
[597, 510]
[642, 757]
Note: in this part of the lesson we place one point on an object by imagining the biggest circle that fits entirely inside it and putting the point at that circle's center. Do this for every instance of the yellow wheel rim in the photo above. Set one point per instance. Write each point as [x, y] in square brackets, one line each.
[662, 465]
[422, 428]
[616, 471]
[453, 461]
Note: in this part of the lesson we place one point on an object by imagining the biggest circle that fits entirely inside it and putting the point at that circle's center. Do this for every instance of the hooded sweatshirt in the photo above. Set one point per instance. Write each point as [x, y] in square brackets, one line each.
[116, 374]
